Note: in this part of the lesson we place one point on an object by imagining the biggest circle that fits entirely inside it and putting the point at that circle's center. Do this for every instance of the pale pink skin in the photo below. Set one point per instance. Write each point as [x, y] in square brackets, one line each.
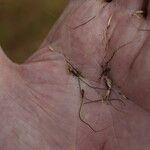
[40, 100]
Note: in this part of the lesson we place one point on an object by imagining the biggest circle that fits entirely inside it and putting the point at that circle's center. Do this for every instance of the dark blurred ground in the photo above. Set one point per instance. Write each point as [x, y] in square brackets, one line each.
[25, 23]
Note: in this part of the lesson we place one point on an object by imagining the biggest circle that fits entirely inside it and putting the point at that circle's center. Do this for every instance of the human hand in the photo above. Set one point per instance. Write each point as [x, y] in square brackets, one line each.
[40, 99]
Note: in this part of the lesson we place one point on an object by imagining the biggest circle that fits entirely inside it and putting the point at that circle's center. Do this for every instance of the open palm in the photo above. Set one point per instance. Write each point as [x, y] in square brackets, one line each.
[94, 45]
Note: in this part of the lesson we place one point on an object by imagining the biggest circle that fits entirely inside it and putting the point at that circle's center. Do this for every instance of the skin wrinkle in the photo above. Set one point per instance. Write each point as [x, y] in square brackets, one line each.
[20, 140]
[103, 145]
[139, 27]
[23, 107]
[113, 128]
[42, 108]
[50, 117]
[13, 101]
[136, 57]
[137, 54]
[89, 134]
[33, 93]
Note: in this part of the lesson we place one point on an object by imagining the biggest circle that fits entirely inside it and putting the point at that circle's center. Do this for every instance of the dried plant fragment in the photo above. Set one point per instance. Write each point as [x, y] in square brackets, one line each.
[139, 14]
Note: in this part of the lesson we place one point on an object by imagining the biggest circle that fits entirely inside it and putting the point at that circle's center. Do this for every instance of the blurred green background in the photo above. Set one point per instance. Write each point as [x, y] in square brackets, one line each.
[25, 23]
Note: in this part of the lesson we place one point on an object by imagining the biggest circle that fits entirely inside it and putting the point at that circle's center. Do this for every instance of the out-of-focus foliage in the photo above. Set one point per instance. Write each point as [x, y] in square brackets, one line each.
[25, 23]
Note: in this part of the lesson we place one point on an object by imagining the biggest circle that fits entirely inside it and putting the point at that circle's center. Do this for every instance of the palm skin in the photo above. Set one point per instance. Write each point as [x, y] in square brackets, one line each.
[40, 99]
